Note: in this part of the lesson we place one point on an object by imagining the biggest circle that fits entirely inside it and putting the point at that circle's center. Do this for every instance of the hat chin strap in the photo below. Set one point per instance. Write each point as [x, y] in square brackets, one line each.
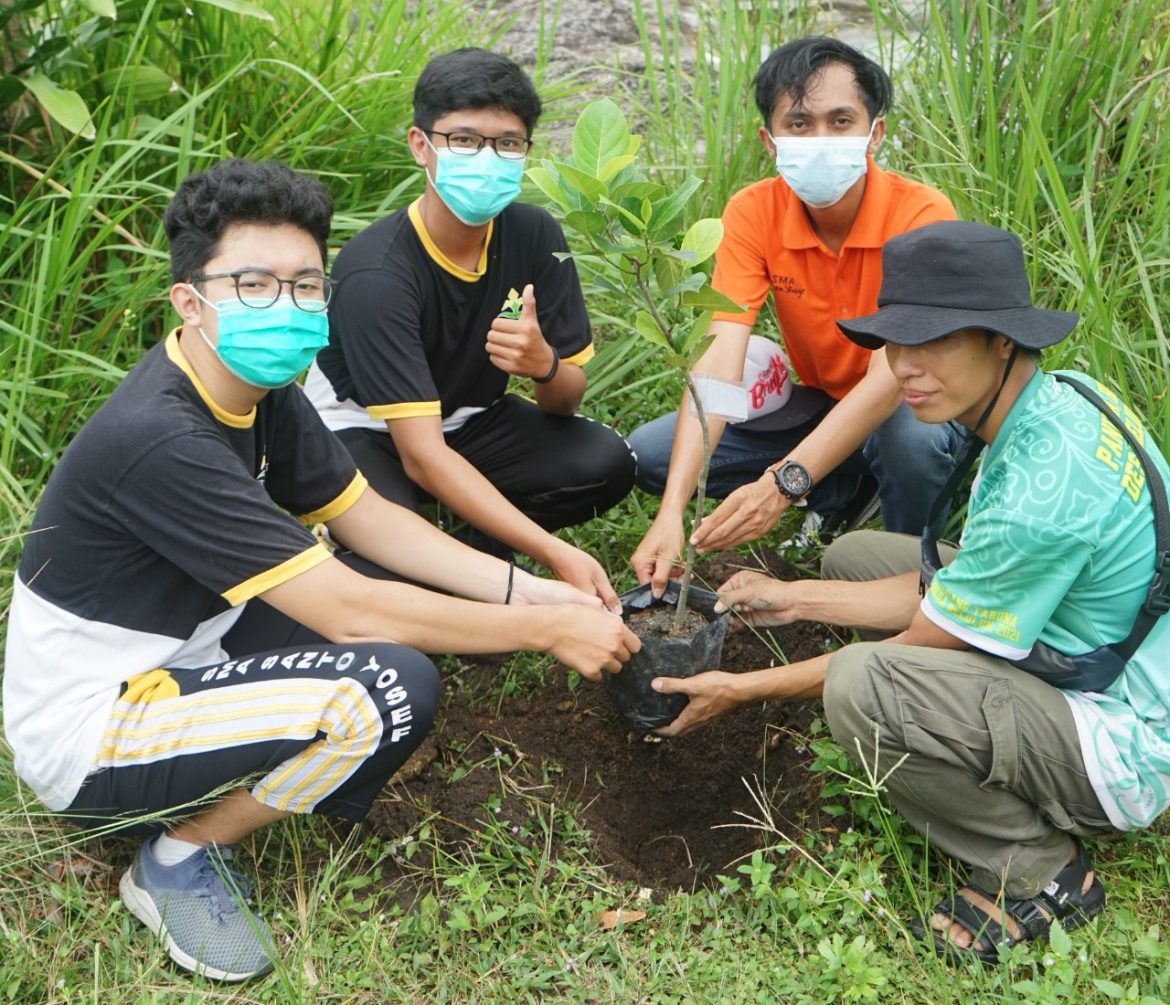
[998, 391]
[970, 450]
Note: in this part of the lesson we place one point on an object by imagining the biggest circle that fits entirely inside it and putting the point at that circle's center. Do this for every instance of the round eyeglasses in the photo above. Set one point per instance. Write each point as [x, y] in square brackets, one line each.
[511, 148]
[261, 289]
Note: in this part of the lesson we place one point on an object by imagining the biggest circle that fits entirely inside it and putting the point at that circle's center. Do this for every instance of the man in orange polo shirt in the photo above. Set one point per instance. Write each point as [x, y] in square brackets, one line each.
[812, 236]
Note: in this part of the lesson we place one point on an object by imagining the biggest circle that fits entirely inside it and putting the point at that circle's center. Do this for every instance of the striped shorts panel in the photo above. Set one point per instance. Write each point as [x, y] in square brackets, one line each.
[318, 727]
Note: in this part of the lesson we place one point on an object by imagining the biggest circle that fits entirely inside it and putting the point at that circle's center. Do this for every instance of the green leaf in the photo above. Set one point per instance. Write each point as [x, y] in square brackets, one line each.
[636, 225]
[585, 185]
[240, 7]
[612, 167]
[667, 272]
[586, 221]
[600, 135]
[689, 284]
[700, 325]
[1059, 940]
[65, 106]
[147, 82]
[697, 338]
[103, 8]
[637, 190]
[668, 212]
[703, 238]
[708, 299]
[544, 179]
[1109, 988]
[648, 328]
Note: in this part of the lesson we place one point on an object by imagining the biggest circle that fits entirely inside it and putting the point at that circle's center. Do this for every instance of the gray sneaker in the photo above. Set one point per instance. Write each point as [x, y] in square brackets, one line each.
[200, 910]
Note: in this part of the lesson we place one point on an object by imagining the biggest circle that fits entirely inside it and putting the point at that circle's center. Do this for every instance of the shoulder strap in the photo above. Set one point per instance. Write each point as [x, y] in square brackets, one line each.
[1157, 600]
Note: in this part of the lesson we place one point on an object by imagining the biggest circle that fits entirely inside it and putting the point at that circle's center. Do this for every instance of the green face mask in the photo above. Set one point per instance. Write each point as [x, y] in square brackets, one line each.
[267, 346]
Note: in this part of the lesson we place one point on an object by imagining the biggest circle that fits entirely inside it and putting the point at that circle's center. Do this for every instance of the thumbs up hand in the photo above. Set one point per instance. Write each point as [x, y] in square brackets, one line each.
[515, 343]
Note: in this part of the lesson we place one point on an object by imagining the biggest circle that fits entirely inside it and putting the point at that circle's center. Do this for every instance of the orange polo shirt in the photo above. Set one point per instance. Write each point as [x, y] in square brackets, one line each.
[769, 245]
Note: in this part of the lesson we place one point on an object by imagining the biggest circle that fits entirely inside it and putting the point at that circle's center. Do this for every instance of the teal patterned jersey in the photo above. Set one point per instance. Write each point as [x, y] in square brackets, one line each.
[1059, 548]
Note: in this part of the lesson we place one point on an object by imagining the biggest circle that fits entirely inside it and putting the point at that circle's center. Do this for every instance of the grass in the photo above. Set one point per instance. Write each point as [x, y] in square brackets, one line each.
[1051, 119]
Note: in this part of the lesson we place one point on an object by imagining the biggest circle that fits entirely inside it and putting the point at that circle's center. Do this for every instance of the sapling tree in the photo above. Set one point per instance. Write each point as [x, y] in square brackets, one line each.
[636, 249]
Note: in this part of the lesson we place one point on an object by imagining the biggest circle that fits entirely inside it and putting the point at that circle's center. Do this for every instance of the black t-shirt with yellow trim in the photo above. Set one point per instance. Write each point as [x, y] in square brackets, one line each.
[163, 516]
[407, 327]
[165, 509]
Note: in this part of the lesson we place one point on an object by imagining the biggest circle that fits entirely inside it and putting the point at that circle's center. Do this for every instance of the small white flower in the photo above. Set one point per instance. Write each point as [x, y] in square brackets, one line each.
[1049, 961]
[867, 896]
[497, 752]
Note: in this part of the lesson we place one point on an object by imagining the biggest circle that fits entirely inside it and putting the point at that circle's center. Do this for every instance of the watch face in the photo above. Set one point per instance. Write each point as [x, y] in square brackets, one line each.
[794, 480]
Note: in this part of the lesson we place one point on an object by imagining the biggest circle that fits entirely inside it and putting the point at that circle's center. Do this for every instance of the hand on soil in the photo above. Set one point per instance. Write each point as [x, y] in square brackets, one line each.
[749, 512]
[758, 599]
[657, 558]
[518, 346]
[592, 641]
[711, 695]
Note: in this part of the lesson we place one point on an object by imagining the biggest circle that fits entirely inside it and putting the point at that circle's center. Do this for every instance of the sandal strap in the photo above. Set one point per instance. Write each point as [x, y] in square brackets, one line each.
[1033, 922]
[1063, 893]
[982, 927]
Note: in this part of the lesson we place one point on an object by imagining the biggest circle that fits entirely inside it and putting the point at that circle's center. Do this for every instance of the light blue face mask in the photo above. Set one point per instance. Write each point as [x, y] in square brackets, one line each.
[821, 169]
[266, 346]
[478, 187]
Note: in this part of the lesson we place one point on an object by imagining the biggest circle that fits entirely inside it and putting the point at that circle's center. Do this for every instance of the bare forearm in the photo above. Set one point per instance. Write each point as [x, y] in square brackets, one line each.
[686, 457]
[562, 395]
[848, 424]
[404, 543]
[459, 485]
[881, 604]
[434, 623]
[805, 679]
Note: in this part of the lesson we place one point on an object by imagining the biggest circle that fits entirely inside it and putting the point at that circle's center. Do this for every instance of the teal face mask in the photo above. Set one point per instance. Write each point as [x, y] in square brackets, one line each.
[479, 187]
[267, 347]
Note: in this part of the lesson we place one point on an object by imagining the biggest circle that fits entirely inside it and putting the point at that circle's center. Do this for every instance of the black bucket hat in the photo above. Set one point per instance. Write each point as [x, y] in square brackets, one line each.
[948, 276]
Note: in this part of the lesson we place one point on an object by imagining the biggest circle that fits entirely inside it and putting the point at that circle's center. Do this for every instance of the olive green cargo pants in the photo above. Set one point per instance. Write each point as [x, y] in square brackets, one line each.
[993, 772]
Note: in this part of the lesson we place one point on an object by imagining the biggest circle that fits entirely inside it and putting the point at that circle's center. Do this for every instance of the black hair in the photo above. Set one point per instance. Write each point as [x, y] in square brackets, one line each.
[240, 191]
[474, 78]
[789, 70]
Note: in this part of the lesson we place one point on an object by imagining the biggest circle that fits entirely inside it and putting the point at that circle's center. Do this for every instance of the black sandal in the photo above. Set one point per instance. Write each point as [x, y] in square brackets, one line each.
[1061, 899]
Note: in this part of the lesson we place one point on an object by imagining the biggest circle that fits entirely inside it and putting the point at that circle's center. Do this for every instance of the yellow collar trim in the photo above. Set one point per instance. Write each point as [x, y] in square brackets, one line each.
[441, 260]
[175, 355]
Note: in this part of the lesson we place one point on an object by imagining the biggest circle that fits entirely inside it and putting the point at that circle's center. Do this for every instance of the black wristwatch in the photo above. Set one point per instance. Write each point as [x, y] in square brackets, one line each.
[793, 480]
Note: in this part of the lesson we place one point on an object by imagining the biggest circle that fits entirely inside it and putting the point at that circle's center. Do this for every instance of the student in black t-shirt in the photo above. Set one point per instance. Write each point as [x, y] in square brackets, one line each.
[179, 642]
[440, 303]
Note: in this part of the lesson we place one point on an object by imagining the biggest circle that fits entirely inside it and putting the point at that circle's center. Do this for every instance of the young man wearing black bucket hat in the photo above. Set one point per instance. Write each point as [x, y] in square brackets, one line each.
[1022, 702]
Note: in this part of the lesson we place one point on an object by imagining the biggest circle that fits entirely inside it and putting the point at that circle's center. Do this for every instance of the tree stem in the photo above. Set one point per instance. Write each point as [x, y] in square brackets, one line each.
[700, 497]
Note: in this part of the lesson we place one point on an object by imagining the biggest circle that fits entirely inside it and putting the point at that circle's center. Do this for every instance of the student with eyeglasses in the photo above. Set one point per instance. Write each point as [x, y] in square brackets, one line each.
[457, 336]
[186, 660]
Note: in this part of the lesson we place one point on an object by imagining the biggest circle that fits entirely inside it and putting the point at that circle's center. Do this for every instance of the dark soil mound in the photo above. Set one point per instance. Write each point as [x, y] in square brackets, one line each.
[663, 813]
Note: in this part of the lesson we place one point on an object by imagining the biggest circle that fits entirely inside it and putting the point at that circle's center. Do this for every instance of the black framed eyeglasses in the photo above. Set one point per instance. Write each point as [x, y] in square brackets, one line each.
[511, 148]
[260, 288]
